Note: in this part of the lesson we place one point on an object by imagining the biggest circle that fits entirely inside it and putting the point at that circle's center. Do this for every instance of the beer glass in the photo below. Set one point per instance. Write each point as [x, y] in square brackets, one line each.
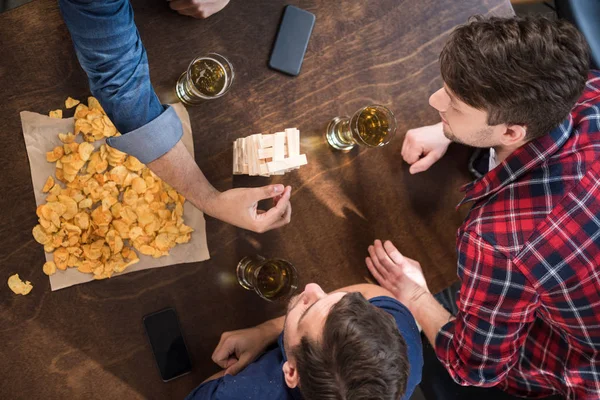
[207, 77]
[371, 126]
[272, 279]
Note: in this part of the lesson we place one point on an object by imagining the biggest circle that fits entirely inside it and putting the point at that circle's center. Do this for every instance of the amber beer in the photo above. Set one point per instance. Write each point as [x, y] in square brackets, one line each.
[207, 77]
[371, 126]
[272, 279]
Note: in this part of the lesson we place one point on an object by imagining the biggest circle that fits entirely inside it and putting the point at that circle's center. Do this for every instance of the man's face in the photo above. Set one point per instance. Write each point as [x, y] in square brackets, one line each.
[463, 123]
[306, 315]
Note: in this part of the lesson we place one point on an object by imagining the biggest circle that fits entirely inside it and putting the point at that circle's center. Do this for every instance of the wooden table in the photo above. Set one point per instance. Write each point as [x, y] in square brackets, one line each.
[88, 341]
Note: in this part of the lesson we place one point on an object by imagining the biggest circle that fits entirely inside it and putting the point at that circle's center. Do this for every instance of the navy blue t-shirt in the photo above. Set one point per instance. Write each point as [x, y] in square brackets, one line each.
[263, 379]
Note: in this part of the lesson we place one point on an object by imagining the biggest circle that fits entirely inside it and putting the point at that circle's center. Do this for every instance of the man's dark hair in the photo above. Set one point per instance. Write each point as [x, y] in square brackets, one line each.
[361, 355]
[527, 71]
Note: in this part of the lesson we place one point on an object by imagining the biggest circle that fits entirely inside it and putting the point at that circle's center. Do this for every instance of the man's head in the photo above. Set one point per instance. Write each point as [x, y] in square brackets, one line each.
[339, 346]
[509, 80]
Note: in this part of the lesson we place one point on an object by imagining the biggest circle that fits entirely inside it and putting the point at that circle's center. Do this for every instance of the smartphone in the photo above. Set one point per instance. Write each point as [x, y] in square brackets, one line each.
[168, 346]
[292, 40]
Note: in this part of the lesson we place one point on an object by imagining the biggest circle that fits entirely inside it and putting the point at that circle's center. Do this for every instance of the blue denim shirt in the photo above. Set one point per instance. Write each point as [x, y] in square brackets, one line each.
[111, 53]
[263, 379]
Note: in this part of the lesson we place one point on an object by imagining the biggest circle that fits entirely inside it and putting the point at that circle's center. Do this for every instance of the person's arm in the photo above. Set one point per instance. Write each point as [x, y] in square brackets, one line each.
[424, 146]
[111, 53]
[496, 308]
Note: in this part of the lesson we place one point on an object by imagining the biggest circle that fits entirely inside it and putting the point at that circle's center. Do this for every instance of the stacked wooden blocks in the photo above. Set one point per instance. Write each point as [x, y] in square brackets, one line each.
[266, 155]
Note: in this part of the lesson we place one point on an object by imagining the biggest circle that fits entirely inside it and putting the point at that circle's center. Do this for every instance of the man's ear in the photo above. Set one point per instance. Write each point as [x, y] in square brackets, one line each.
[514, 135]
[290, 374]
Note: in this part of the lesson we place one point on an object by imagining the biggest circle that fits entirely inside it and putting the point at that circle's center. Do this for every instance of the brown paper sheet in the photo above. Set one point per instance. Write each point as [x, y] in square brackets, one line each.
[41, 135]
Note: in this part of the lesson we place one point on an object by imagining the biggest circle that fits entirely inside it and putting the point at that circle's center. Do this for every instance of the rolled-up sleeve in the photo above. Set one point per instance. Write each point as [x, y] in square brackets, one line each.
[496, 308]
[110, 51]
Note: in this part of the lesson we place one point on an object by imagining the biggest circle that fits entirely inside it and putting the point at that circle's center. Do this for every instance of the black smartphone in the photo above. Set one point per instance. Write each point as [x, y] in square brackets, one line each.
[166, 339]
[292, 40]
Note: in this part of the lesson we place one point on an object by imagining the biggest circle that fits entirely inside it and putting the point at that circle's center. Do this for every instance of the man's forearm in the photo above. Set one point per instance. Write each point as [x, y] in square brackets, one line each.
[178, 168]
[272, 328]
[430, 315]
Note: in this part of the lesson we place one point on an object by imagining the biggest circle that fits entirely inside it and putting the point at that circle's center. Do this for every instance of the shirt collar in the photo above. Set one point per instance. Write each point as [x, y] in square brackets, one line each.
[519, 162]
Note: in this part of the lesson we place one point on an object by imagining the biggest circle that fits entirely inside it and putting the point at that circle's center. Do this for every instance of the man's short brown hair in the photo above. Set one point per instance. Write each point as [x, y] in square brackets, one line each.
[361, 355]
[527, 71]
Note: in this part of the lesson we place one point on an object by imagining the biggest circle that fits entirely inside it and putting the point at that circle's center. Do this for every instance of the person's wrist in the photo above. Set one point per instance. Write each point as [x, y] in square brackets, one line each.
[270, 330]
[417, 299]
[208, 202]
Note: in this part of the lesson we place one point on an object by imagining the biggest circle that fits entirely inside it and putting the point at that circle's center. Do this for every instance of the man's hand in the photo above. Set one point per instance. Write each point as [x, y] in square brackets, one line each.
[427, 142]
[198, 8]
[400, 275]
[239, 207]
[237, 349]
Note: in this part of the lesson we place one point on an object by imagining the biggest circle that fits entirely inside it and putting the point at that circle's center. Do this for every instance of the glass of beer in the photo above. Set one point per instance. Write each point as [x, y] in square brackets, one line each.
[272, 279]
[371, 126]
[208, 77]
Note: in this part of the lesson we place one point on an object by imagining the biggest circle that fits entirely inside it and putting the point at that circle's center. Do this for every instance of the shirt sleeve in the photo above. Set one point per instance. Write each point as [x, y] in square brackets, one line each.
[110, 51]
[496, 308]
[262, 379]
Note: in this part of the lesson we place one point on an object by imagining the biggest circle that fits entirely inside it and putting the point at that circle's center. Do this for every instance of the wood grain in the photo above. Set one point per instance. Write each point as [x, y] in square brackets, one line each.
[88, 341]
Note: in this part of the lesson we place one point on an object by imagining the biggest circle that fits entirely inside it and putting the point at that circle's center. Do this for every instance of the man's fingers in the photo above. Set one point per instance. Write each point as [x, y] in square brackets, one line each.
[223, 351]
[374, 271]
[406, 143]
[393, 252]
[267, 192]
[412, 154]
[279, 214]
[238, 366]
[424, 163]
[383, 257]
[376, 263]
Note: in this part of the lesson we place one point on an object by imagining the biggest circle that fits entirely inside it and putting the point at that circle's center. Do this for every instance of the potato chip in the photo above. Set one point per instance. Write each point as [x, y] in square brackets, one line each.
[70, 204]
[114, 241]
[61, 255]
[40, 235]
[55, 154]
[85, 150]
[85, 203]
[139, 185]
[49, 268]
[118, 174]
[71, 102]
[101, 217]
[55, 114]
[147, 250]
[93, 103]
[18, 286]
[133, 164]
[66, 137]
[48, 185]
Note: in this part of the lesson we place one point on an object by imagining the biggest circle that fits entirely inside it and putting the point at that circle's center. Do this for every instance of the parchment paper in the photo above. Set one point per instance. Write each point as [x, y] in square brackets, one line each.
[41, 135]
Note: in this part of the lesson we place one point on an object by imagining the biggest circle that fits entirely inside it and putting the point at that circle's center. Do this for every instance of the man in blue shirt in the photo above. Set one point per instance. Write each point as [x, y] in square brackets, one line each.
[357, 342]
[111, 52]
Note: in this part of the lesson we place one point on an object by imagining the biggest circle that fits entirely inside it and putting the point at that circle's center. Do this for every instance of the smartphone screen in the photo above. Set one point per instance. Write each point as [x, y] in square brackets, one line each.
[292, 40]
[167, 344]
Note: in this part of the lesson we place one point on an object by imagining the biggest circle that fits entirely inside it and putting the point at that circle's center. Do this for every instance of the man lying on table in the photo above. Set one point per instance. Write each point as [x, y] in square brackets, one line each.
[528, 317]
[354, 343]
[111, 53]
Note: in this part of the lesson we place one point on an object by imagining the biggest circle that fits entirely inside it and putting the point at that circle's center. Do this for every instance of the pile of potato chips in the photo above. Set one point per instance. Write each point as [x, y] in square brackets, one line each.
[110, 201]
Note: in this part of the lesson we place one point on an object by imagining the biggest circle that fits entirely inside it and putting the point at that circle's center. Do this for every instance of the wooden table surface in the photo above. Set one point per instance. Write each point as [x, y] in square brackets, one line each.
[88, 341]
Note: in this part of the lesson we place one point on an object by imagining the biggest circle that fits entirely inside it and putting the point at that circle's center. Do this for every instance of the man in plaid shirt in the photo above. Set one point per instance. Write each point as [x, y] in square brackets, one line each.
[528, 319]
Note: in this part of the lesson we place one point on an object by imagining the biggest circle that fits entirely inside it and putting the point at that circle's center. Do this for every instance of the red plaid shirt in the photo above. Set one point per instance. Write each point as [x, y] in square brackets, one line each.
[529, 261]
